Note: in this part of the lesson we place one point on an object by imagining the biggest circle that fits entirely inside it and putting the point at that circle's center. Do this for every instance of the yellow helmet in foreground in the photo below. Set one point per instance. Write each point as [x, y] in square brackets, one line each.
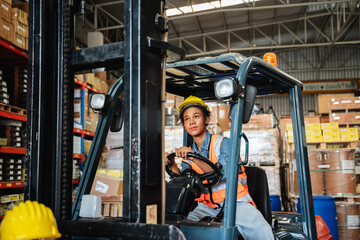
[193, 101]
[29, 220]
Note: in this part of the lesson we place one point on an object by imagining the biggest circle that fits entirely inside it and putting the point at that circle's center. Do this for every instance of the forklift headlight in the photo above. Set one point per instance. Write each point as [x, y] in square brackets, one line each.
[98, 102]
[225, 88]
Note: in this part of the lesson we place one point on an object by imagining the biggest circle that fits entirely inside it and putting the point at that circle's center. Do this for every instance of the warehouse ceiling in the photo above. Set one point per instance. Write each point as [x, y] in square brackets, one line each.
[250, 27]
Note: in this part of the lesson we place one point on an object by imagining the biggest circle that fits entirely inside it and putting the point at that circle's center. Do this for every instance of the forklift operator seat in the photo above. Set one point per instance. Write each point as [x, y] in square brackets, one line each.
[259, 190]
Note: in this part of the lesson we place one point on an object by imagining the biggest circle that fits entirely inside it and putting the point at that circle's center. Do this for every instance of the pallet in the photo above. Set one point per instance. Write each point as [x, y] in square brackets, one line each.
[350, 199]
[112, 206]
[12, 109]
[337, 197]
[345, 110]
[328, 145]
[265, 164]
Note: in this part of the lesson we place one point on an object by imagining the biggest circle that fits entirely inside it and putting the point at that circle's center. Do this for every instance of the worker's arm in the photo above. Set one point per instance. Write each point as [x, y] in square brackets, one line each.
[183, 151]
[224, 157]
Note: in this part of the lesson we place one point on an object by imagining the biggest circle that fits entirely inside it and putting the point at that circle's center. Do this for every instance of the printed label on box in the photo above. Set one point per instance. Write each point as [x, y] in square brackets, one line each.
[348, 164]
[151, 214]
[221, 113]
[5, 7]
[353, 220]
[101, 187]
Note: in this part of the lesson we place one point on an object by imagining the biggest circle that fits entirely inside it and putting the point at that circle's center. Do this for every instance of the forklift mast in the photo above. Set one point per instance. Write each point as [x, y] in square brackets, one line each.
[52, 62]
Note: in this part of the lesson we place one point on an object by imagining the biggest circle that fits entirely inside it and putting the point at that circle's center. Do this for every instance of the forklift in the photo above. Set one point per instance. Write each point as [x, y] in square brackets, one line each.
[147, 76]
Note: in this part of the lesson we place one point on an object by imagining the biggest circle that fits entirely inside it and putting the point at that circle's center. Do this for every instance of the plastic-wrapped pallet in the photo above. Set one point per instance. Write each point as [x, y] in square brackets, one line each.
[273, 177]
[77, 145]
[173, 139]
[264, 152]
[263, 146]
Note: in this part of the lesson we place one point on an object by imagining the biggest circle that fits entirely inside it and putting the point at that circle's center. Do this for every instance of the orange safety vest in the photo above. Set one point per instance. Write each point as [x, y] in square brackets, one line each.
[219, 190]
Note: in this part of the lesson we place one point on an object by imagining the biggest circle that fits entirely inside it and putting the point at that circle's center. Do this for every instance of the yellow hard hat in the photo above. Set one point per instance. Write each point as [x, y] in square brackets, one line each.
[29, 220]
[192, 100]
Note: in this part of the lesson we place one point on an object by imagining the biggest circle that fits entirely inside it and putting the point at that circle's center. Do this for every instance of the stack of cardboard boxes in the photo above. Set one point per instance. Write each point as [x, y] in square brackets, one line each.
[263, 148]
[14, 24]
[97, 81]
[325, 132]
[12, 133]
[4, 94]
[11, 168]
[16, 82]
[7, 202]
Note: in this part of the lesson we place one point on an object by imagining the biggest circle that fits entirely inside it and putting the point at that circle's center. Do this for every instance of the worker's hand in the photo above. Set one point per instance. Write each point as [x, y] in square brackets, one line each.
[167, 161]
[182, 152]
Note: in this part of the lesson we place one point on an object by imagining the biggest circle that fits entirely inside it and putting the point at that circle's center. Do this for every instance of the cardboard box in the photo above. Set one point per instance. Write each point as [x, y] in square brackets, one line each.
[344, 103]
[6, 30]
[311, 132]
[90, 78]
[324, 118]
[286, 120]
[5, 11]
[350, 137]
[20, 28]
[312, 139]
[331, 132]
[323, 101]
[328, 138]
[345, 131]
[22, 6]
[223, 117]
[260, 121]
[345, 118]
[101, 75]
[87, 145]
[170, 100]
[178, 100]
[20, 15]
[104, 87]
[106, 186]
[312, 126]
[19, 41]
[80, 77]
[213, 112]
[329, 126]
[173, 101]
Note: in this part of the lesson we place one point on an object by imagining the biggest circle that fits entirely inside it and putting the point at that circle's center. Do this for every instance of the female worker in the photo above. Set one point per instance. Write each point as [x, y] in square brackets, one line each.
[194, 115]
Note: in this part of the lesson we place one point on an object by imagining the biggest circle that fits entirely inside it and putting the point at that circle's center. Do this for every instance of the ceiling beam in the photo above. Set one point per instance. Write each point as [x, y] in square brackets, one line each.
[242, 49]
[251, 27]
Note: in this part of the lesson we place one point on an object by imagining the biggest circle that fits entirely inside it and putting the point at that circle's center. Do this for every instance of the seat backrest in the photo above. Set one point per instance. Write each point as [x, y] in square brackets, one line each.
[259, 190]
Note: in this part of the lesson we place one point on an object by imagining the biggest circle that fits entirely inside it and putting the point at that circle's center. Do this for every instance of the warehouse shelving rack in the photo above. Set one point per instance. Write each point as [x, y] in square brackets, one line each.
[11, 55]
[81, 131]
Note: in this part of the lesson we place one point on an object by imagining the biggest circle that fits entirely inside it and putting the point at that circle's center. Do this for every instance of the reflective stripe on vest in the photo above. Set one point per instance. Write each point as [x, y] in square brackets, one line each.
[219, 190]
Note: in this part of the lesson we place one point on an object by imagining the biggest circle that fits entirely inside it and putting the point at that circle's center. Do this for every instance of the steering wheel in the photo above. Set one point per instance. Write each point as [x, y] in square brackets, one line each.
[212, 177]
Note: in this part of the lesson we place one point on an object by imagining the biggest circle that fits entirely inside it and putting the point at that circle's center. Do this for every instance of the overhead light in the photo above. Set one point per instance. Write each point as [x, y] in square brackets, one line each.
[205, 6]
[202, 7]
[173, 12]
[185, 9]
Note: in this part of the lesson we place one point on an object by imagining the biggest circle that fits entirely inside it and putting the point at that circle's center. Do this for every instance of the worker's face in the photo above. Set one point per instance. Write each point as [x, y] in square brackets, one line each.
[194, 121]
